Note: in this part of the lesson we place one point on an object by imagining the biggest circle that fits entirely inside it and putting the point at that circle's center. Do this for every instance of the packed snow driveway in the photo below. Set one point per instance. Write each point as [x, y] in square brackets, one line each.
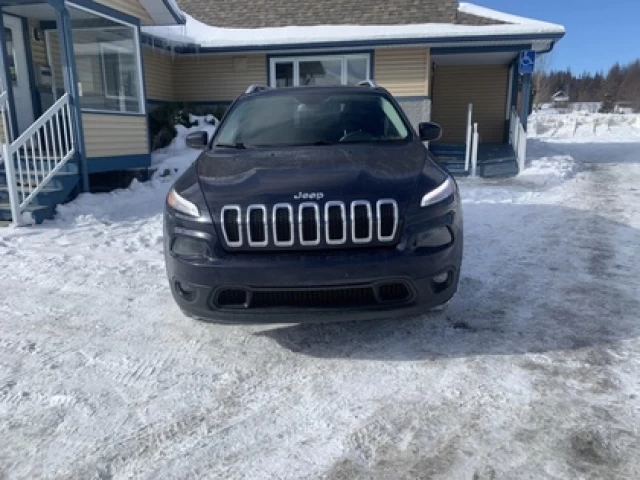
[531, 373]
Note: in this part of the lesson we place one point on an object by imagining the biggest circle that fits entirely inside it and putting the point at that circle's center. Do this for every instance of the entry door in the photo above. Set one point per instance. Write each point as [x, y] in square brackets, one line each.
[454, 87]
[18, 71]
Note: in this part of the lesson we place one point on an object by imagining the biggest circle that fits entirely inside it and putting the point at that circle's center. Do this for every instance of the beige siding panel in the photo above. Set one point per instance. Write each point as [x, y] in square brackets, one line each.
[403, 71]
[485, 86]
[114, 135]
[130, 7]
[216, 77]
[158, 72]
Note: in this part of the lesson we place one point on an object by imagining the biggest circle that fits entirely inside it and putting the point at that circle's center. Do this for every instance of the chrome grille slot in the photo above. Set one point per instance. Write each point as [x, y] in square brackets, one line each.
[232, 225]
[257, 229]
[282, 219]
[387, 219]
[335, 223]
[361, 222]
[309, 223]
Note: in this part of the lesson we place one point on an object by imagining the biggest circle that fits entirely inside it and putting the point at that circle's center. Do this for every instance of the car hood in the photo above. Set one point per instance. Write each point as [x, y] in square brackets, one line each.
[345, 173]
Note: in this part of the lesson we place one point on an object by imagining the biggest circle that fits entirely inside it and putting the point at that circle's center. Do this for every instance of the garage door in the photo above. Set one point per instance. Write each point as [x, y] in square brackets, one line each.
[454, 87]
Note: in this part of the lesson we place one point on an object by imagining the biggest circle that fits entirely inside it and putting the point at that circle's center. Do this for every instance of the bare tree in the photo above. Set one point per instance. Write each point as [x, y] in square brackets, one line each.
[541, 80]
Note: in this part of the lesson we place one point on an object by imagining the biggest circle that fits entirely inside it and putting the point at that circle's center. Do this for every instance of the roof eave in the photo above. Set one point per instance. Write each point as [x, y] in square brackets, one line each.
[350, 44]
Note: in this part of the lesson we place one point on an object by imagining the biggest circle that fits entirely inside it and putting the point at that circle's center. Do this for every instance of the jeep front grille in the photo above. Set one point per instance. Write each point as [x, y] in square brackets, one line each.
[310, 224]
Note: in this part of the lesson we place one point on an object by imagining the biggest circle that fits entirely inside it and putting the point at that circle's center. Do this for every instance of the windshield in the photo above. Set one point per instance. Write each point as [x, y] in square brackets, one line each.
[312, 118]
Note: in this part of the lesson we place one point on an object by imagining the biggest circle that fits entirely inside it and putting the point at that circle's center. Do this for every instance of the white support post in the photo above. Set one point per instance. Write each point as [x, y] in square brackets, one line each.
[11, 185]
[522, 148]
[467, 156]
[474, 151]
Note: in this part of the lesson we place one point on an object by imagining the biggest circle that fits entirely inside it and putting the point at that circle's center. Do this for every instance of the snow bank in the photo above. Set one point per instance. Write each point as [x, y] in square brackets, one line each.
[549, 170]
[581, 127]
[140, 199]
[195, 32]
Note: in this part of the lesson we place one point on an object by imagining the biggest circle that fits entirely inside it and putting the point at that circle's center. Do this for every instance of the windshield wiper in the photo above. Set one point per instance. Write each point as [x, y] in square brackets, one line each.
[238, 145]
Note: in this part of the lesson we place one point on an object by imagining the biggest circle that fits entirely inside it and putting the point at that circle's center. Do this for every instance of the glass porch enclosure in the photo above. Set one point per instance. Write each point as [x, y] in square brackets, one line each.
[107, 63]
[60, 50]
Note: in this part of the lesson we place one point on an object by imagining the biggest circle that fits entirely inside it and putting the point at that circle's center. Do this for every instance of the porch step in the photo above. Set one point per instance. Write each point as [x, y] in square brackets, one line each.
[40, 213]
[58, 181]
[44, 197]
[58, 190]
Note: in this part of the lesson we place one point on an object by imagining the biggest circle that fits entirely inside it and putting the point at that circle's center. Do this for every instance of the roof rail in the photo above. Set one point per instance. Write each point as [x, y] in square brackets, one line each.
[256, 88]
[368, 83]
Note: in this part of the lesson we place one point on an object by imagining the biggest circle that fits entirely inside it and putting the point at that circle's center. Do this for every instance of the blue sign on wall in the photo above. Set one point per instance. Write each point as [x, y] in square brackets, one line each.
[527, 61]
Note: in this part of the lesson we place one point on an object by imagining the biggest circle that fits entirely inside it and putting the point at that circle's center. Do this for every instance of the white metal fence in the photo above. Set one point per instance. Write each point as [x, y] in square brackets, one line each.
[32, 160]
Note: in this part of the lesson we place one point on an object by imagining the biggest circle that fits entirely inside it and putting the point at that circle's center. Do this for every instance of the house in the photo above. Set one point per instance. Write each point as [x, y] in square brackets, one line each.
[560, 100]
[81, 75]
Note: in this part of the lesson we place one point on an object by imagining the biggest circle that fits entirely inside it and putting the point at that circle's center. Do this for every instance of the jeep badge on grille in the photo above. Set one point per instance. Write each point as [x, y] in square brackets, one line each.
[309, 196]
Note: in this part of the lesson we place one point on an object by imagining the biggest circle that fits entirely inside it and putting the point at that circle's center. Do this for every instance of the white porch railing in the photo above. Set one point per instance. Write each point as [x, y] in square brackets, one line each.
[474, 151]
[468, 149]
[33, 159]
[518, 138]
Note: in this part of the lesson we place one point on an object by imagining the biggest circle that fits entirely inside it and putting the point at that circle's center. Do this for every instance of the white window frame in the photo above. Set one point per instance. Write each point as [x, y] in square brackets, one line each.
[273, 61]
[138, 52]
[105, 49]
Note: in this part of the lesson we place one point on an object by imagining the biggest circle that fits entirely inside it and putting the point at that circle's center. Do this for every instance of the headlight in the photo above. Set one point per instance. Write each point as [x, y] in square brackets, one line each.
[437, 195]
[182, 205]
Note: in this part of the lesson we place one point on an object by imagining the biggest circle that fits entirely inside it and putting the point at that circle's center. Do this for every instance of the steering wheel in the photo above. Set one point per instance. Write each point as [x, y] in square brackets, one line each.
[358, 135]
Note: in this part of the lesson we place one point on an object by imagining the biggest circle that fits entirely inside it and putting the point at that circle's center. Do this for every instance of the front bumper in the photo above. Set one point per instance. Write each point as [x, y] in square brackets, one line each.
[196, 287]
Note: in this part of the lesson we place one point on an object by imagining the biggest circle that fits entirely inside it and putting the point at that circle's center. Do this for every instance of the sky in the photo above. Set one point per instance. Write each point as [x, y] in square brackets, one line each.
[599, 32]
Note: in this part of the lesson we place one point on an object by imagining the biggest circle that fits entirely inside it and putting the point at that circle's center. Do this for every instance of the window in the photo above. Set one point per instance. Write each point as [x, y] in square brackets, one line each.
[311, 118]
[320, 70]
[108, 65]
[118, 73]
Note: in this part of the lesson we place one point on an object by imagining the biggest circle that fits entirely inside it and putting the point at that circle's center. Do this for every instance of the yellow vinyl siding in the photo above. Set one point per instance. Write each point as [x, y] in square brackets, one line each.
[114, 135]
[485, 86]
[216, 77]
[130, 7]
[403, 71]
[1, 129]
[158, 71]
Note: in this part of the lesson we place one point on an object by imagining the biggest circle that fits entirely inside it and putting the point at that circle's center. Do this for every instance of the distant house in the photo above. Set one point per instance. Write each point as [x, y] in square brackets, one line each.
[560, 99]
[80, 76]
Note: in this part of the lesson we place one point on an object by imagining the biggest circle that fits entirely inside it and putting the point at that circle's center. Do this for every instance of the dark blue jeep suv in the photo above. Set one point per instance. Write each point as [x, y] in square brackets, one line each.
[313, 204]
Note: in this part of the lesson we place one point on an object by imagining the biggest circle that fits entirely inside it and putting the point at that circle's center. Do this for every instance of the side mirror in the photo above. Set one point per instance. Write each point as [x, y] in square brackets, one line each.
[197, 140]
[430, 131]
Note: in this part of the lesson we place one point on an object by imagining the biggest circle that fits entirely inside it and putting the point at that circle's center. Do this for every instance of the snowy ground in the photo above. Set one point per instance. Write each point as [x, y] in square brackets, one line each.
[531, 373]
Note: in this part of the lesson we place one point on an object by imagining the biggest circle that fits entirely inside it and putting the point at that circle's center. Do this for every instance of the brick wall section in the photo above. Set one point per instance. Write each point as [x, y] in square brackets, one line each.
[468, 19]
[279, 13]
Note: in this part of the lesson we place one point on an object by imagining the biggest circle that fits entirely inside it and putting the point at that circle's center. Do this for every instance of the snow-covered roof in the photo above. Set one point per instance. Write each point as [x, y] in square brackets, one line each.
[479, 11]
[560, 96]
[199, 34]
